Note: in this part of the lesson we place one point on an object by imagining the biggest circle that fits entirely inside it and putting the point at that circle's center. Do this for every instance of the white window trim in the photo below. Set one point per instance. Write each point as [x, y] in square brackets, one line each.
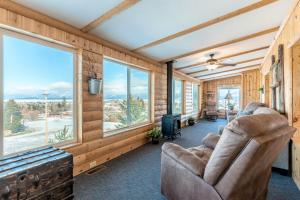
[110, 133]
[77, 84]
[195, 111]
[173, 92]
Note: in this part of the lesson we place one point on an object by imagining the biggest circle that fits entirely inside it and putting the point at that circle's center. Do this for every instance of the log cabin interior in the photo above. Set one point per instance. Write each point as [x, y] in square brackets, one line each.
[150, 99]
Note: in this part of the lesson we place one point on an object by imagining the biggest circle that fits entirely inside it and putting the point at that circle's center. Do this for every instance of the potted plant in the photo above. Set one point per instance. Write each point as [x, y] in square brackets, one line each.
[261, 90]
[231, 106]
[93, 81]
[155, 134]
[191, 121]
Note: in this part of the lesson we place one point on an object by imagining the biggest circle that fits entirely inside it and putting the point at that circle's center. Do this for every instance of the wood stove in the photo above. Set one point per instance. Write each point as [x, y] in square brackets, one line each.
[171, 123]
[171, 126]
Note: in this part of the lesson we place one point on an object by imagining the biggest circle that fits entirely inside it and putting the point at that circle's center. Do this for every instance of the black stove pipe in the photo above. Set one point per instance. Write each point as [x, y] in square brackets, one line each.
[169, 87]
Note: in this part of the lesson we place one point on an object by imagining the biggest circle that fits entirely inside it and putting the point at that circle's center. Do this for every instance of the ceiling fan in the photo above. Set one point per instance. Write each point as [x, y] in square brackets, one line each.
[213, 63]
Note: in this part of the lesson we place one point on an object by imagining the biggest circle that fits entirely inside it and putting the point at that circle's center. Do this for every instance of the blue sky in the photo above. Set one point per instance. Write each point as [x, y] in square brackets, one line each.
[115, 81]
[31, 69]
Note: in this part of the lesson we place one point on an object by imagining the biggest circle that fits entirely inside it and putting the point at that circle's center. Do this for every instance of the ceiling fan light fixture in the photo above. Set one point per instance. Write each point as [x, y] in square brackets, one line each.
[212, 67]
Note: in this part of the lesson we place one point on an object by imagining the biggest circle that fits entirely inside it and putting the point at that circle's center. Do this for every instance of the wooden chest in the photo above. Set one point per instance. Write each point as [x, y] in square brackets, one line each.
[44, 173]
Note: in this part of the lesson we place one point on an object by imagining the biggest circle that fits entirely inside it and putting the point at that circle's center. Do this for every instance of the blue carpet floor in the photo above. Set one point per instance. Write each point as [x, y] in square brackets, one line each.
[136, 175]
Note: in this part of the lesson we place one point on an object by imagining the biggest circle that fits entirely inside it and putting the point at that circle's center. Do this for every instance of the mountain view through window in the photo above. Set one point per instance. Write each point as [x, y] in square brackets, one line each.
[38, 95]
[126, 96]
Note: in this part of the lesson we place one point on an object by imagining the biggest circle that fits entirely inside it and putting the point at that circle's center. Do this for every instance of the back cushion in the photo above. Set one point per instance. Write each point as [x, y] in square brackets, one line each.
[251, 107]
[235, 137]
[264, 110]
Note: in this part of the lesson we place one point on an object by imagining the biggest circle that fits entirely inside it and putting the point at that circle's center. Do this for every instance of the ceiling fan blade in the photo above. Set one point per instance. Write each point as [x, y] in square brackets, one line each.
[227, 64]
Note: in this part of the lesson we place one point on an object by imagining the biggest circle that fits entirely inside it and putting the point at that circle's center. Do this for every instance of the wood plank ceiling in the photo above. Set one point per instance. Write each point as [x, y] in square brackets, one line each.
[237, 32]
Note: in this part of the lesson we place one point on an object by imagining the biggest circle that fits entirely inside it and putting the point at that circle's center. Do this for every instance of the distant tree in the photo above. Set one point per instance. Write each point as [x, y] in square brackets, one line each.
[13, 117]
[64, 104]
[122, 116]
[137, 112]
[61, 135]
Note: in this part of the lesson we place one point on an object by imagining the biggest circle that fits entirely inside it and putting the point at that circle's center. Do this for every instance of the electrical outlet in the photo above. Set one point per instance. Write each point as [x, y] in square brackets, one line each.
[93, 164]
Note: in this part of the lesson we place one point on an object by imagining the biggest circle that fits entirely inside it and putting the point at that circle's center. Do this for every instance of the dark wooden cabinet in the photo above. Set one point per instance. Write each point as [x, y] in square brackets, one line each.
[44, 173]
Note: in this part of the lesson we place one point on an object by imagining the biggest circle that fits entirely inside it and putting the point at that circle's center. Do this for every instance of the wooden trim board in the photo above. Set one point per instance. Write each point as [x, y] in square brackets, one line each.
[109, 14]
[208, 23]
[226, 43]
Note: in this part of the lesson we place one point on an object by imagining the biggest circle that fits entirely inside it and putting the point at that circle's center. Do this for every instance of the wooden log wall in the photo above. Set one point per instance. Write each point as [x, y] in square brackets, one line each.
[94, 149]
[248, 81]
[289, 37]
[251, 84]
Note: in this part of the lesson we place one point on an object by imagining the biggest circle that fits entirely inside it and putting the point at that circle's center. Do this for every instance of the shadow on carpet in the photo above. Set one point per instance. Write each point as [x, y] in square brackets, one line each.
[136, 175]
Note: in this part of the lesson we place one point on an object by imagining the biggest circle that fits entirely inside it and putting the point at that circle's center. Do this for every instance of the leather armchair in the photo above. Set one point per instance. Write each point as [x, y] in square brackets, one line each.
[236, 165]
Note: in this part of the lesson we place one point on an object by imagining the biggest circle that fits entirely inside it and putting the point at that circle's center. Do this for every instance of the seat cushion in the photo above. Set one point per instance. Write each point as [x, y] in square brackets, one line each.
[194, 159]
[211, 113]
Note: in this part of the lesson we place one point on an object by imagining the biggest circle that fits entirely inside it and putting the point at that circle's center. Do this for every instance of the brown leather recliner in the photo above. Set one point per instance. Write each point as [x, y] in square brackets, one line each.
[235, 166]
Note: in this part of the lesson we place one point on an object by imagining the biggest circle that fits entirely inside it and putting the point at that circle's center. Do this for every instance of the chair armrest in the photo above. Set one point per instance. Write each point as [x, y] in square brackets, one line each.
[210, 140]
[185, 158]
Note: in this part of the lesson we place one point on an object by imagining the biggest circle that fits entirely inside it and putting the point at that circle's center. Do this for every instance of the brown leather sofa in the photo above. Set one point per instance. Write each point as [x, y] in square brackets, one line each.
[236, 165]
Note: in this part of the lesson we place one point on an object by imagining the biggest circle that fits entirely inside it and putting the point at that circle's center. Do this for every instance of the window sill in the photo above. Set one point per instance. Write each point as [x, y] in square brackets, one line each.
[68, 146]
[119, 131]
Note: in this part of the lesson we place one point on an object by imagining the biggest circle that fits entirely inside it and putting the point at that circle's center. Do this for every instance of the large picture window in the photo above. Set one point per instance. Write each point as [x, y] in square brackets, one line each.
[37, 93]
[234, 100]
[177, 96]
[195, 98]
[126, 92]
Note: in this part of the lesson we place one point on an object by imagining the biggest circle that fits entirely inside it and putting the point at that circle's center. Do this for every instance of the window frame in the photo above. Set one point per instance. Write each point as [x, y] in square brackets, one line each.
[198, 98]
[77, 84]
[173, 92]
[128, 66]
[228, 87]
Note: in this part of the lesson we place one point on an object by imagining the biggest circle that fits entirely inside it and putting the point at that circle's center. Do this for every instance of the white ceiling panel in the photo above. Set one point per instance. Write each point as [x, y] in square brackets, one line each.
[223, 69]
[224, 74]
[253, 43]
[235, 59]
[150, 20]
[248, 23]
[78, 13]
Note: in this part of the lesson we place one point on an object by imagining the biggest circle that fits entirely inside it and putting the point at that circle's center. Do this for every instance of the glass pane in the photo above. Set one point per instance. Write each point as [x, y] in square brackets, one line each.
[233, 102]
[115, 95]
[38, 95]
[195, 98]
[177, 96]
[139, 96]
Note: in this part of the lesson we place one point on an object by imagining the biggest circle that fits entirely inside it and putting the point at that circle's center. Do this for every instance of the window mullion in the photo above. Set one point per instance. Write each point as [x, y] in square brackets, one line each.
[128, 96]
[1, 96]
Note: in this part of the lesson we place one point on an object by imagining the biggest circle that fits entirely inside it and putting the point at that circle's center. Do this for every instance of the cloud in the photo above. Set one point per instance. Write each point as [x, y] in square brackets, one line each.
[60, 86]
[57, 89]
[118, 86]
